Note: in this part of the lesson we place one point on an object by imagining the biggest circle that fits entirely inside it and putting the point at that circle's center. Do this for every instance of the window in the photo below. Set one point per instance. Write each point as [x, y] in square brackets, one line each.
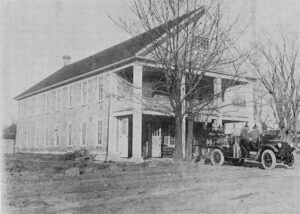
[19, 109]
[156, 129]
[100, 88]
[28, 138]
[70, 96]
[58, 99]
[29, 107]
[69, 134]
[26, 108]
[47, 134]
[33, 105]
[47, 102]
[42, 137]
[43, 104]
[99, 132]
[53, 100]
[24, 138]
[84, 92]
[239, 101]
[124, 126]
[36, 137]
[38, 105]
[56, 136]
[19, 137]
[83, 134]
[201, 42]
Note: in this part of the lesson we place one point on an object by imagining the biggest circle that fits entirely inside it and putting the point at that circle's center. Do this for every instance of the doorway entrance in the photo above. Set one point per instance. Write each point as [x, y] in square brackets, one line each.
[156, 139]
[125, 137]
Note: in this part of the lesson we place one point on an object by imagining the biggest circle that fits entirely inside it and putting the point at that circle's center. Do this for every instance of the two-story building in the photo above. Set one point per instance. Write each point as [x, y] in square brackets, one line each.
[104, 103]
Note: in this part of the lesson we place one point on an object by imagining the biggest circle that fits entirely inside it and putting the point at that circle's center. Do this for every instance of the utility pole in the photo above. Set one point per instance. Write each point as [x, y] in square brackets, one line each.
[253, 41]
[253, 19]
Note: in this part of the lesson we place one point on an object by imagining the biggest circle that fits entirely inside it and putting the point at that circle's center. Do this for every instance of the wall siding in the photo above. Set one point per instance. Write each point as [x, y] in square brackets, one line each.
[78, 113]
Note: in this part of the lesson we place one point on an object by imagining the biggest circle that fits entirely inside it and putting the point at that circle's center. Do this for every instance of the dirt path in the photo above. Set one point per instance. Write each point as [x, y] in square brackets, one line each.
[151, 187]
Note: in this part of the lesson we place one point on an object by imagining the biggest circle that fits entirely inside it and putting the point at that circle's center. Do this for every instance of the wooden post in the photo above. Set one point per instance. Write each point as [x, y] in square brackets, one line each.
[137, 112]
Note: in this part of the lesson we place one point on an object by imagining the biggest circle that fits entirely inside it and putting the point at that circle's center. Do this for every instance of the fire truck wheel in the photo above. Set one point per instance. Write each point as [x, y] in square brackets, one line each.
[217, 157]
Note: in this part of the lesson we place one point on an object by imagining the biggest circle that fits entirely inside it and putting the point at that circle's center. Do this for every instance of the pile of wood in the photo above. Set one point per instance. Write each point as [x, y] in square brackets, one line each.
[82, 154]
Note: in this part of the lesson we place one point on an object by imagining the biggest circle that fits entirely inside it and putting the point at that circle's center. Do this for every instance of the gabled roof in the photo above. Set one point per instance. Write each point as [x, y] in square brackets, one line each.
[117, 53]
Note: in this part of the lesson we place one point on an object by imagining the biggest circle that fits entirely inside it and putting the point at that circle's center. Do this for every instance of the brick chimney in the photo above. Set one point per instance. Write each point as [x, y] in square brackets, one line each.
[66, 60]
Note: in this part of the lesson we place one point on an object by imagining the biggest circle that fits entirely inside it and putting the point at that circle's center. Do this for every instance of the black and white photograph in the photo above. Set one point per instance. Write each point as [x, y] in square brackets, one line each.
[150, 106]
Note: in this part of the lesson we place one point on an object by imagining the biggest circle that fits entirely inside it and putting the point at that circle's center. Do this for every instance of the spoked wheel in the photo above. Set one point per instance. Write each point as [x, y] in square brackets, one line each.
[268, 159]
[217, 157]
[237, 162]
[290, 161]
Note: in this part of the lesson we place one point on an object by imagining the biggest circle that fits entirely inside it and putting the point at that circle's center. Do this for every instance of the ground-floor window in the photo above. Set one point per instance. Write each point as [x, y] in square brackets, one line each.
[69, 134]
[83, 133]
[47, 134]
[36, 137]
[57, 136]
[28, 137]
[99, 132]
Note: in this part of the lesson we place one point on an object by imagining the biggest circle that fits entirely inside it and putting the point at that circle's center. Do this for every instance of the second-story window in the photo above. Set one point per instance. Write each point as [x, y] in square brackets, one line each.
[43, 103]
[29, 107]
[53, 100]
[201, 42]
[100, 88]
[38, 104]
[33, 106]
[47, 102]
[239, 101]
[84, 92]
[70, 96]
[19, 109]
[58, 99]
[26, 108]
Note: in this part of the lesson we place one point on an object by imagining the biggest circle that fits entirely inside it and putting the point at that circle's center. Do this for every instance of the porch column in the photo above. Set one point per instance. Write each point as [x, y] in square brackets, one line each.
[137, 112]
[112, 121]
[218, 97]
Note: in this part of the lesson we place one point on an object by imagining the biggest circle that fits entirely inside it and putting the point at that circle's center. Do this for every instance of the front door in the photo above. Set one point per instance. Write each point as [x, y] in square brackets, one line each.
[156, 139]
[123, 137]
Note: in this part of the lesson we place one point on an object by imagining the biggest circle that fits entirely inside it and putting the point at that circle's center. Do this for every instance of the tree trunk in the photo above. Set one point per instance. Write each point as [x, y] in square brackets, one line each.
[189, 141]
[178, 156]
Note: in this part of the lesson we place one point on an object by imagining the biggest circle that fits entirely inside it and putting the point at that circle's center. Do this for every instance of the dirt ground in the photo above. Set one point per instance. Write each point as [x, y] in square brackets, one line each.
[38, 184]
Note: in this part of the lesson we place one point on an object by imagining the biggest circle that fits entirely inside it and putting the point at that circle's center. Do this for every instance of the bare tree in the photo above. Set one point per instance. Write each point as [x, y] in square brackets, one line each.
[278, 75]
[196, 40]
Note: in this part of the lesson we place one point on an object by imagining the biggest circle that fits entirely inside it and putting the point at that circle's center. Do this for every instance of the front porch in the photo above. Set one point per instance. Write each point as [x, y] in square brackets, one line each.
[142, 124]
[157, 135]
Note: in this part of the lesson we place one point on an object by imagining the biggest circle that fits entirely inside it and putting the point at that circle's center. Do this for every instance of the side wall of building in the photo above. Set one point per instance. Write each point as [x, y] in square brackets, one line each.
[61, 120]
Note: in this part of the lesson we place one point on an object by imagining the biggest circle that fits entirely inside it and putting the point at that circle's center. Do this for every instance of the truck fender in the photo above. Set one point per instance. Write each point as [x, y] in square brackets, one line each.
[273, 148]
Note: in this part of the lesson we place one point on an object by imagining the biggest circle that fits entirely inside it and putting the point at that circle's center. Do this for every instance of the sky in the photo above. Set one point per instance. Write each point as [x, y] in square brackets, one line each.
[35, 34]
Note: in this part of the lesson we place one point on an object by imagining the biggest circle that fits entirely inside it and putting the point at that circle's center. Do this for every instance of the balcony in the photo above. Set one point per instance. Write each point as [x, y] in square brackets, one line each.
[157, 103]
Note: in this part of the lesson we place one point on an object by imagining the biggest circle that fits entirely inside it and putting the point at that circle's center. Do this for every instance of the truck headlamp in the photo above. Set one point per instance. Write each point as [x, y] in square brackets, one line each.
[279, 145]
